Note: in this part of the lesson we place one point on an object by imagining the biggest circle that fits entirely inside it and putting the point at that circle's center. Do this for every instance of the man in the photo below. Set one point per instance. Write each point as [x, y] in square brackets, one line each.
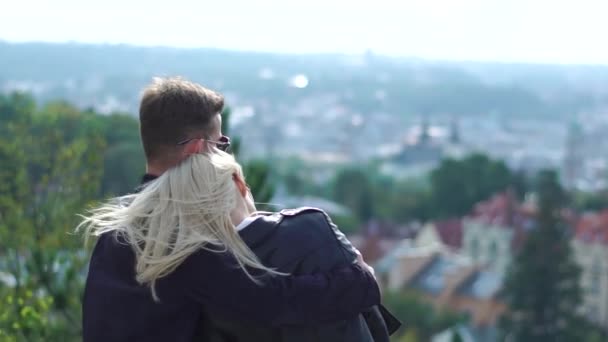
[179, 118]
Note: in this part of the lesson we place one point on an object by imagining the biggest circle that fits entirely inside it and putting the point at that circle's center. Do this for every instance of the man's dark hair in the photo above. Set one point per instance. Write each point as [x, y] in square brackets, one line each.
[174, 109]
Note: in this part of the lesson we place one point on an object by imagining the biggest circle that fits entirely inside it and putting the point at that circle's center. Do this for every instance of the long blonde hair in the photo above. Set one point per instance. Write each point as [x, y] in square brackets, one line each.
[185, 209]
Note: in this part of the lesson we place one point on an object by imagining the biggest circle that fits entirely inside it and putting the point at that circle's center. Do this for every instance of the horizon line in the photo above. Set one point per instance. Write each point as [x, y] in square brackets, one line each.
[364, 53]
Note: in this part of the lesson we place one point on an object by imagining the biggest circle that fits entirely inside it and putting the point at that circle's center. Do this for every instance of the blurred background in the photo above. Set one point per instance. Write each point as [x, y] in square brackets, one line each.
[461, 145]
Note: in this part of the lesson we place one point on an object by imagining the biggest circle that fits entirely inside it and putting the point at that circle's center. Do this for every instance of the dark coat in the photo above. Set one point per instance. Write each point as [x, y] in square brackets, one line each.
[117, 308]
[302, 241]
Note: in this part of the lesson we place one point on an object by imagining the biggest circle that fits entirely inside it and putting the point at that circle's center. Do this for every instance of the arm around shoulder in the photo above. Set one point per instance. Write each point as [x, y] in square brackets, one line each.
[224, 289]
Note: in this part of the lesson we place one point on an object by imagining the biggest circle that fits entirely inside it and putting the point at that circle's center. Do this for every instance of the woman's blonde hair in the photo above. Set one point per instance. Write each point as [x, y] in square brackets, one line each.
[185, 209]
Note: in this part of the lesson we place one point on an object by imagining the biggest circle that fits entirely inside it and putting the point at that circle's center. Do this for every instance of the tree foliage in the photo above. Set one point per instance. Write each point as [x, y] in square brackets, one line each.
[456, 185]
[420, 319]
[124, 161]
[55, 160]
[51, 167]
[352, 187]
[257, 172]
[450, 190]
[542, 287]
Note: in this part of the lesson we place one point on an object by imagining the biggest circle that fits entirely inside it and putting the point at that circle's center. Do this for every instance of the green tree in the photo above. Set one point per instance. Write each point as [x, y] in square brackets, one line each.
[51, 167]
[419, 317]
[352, 187]
[258, 175]
[456, 185]
[410, 335]
[456, 337]
[124, 160]
[542, 286]
[257, 172]
[235, 141]
[404, 201]
[584, 201]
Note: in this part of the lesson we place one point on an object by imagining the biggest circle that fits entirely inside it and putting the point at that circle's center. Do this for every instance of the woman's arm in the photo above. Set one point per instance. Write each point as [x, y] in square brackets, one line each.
[224, 289]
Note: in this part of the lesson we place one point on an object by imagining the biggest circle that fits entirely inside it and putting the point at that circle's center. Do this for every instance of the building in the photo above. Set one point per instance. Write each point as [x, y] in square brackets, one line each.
[447, 233]
[496, 229]
[573, 161]
[423, 150]
[446, 280]
[590, 247]
[376, 239]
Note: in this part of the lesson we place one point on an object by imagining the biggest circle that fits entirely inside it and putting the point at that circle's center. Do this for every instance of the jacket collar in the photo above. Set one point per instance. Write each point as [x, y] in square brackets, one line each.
[260, 229]
[147, 178]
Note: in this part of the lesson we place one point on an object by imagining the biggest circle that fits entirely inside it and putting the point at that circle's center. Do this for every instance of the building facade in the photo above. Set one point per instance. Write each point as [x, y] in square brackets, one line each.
[590, 248]
[495, 230]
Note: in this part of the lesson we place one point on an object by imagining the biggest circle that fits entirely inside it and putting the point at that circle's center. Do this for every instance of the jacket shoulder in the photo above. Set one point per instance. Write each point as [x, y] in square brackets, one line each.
[302, 220]
[305, 221]
[300, 211]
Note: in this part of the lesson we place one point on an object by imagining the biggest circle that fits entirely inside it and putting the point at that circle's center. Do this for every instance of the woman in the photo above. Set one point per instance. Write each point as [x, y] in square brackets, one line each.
[199, 205]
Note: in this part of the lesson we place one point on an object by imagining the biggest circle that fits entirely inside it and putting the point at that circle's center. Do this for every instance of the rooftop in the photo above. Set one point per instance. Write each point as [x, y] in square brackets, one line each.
[593, 227]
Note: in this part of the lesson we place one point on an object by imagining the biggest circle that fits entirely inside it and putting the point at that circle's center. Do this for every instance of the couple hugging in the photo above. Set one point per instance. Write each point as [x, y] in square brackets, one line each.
[187, 257]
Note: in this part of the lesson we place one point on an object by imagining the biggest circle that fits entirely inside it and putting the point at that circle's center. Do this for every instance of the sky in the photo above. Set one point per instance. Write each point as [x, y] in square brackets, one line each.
[537, 31]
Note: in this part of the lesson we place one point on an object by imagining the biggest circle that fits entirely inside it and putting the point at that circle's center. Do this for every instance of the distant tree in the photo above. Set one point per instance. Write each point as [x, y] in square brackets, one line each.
[124, 164]
[520, 183]
[235, 141]
[456, 185]
[456, 337]
[384, 194]
[410, 335]
[420, 318]
[298, 178]
[51, 168]
[542, 286]
[353, 189]
[124, 160]
[257, 172]
[406, 200]
[294, 183]
[585, 201]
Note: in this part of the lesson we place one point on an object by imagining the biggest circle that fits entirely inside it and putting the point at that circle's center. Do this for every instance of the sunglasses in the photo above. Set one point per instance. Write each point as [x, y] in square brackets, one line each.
[222, 144]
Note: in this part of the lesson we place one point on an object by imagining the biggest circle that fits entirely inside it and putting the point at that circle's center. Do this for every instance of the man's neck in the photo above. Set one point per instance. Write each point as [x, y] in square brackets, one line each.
[154, 170]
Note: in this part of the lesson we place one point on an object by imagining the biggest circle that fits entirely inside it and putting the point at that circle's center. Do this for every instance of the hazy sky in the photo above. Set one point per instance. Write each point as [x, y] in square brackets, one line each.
[556, 31]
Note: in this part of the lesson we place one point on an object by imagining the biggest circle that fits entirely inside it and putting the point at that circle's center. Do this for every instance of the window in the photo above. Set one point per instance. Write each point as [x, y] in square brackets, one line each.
[474, 249]
[596, 277]
[493, 252]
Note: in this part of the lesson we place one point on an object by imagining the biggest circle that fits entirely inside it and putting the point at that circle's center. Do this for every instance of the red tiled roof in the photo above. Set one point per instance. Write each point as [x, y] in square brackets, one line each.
[593, 228]
[450, 232]
[504, 210]
[373, 248]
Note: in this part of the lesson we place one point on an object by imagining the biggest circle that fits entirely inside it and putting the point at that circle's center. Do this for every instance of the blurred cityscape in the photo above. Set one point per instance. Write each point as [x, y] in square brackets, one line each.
[428, 166]
[406, 113]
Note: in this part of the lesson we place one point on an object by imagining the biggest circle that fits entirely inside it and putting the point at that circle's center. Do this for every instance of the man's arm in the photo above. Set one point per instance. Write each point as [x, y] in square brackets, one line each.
[381, 322]
[214, 280]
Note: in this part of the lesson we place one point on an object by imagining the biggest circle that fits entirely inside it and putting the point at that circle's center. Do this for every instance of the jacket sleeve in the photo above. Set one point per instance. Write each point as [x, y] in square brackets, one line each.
[380, 321]
[215, 281]
[344, 243]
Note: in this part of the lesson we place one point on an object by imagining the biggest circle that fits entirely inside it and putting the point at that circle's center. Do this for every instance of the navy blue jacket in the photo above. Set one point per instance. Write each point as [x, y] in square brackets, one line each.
[302, 241]
[117, 308]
